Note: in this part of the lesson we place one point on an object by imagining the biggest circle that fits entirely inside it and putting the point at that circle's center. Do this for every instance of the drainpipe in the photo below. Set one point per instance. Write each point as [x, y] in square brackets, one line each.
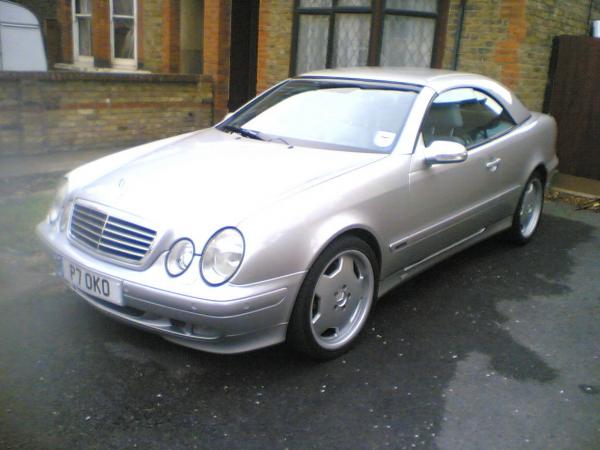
[458, 35]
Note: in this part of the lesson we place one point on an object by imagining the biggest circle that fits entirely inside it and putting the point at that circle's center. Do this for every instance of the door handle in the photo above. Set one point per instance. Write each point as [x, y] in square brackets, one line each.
[492, 165]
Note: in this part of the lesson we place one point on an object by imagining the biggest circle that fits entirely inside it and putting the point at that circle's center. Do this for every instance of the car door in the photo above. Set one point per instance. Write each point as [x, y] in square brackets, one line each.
[452, 203]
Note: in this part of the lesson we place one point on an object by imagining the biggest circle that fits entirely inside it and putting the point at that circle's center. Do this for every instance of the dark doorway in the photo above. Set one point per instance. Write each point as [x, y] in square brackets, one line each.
[244, 41]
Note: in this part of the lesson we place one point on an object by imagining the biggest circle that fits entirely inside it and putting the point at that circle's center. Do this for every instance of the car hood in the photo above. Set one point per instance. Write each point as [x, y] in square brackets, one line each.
[213, 179]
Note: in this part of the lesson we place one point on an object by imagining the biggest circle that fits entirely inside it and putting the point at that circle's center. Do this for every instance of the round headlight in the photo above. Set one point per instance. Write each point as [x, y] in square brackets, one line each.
[222, 256]
[58, 202]
[180, 257]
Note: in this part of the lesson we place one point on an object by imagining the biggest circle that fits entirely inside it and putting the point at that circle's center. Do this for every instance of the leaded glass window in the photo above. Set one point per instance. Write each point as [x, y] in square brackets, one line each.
[407, 41]
[312, 31]
[351, 40]
[413, 5]
[346, 33]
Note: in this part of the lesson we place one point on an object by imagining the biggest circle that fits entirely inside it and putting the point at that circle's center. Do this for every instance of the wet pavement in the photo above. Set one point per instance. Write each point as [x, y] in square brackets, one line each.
[495, 348]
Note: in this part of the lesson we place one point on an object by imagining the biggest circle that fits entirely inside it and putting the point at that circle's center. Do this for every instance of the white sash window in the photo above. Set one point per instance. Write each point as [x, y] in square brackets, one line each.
[123, 32]
[82, 31]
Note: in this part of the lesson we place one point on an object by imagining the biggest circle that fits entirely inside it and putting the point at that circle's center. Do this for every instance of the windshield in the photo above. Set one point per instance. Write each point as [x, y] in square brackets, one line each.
[329, 114]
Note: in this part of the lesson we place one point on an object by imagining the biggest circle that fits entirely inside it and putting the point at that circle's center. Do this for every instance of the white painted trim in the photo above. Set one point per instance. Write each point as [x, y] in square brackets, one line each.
[82, 60]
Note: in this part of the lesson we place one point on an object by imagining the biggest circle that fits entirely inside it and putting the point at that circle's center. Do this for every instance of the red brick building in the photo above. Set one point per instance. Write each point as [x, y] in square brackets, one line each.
[117, 77]
[247, 45]
[510, 40]
[128, 35]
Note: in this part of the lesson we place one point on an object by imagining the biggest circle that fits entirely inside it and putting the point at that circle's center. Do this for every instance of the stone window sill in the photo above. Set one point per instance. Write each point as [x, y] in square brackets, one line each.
[86, 68]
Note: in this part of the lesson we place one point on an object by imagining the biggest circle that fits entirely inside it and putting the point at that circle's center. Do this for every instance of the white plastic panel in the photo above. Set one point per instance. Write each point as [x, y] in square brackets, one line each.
[22, 48]
[21, 42]
[12, 13]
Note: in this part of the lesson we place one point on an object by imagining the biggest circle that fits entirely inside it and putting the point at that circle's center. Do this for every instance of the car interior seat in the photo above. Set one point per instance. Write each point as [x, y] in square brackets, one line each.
[443, 122]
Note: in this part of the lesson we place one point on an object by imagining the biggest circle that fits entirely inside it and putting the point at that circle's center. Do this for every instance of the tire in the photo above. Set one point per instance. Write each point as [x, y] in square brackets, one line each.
[335, 299]
[529, 211]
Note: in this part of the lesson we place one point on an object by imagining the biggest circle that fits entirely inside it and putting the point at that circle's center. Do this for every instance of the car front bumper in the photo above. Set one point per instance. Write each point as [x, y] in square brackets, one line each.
[233, 319]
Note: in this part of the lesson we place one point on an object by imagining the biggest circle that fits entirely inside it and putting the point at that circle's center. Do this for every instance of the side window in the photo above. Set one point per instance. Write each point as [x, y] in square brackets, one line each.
[82, 29]
[465, 115]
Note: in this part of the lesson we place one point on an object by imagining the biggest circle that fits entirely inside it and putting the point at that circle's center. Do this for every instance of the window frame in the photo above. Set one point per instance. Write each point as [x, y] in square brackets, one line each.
[480, 143]
[378, 11]
[123, 63]
[84, 60]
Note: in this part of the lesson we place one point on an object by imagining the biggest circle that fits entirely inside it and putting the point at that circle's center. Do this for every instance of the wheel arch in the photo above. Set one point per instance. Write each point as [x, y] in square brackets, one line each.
[541, 169]
[360, 231]
[369, 238]
[297, 333]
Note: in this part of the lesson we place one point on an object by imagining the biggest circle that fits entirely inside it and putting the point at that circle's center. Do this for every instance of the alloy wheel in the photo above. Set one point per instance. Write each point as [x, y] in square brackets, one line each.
[531, 207]
[342, 299]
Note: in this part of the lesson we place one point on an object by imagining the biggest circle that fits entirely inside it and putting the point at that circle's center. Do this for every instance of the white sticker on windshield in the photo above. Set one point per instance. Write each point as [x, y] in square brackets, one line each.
[384, 138]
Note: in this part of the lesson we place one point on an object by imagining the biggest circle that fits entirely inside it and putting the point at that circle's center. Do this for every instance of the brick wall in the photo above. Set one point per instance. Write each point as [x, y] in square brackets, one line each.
[482, 29]
[547, 19]
[43, 9]
[171, 36]
[217, 26]
[65, 21]
[274, 42]
[101, 33]
[511, 40]
[45, 112]
[152, 35]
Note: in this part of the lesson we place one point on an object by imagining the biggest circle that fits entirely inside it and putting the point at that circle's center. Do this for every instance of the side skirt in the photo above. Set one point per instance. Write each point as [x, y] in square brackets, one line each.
[408, 272]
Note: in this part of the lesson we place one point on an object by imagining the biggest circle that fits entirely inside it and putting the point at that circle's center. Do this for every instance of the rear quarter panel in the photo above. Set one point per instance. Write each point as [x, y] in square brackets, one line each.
[529, 146]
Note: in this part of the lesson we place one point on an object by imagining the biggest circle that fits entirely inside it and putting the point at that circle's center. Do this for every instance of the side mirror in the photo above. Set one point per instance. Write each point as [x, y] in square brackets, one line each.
[445, 152]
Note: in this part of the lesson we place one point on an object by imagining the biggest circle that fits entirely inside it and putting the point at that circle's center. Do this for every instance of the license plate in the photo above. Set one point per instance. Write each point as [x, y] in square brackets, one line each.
[92, 283]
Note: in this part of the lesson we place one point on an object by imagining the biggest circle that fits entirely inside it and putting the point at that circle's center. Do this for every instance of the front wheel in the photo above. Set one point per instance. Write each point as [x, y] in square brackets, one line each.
[335, 299]
[529, 211]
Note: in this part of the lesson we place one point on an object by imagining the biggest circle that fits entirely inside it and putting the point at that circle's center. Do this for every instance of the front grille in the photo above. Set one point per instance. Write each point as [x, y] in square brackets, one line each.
[109, 235]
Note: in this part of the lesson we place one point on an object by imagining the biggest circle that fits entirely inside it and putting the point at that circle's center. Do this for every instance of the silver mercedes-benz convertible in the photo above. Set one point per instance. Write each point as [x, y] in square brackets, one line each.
[287, 220]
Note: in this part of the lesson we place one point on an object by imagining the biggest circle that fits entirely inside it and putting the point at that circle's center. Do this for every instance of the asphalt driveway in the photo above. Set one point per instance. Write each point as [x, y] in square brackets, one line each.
[496, 348]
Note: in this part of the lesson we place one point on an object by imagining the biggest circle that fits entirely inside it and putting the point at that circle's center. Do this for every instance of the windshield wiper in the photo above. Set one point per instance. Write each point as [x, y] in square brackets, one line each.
[252, 134]
[280, 139]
